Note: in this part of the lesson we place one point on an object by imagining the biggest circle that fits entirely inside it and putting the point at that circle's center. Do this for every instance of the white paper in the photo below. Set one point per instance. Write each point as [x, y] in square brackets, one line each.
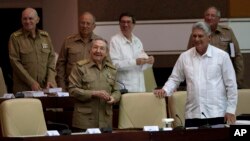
[150, 128]
[53, 133]
[232, 50]
[93, 131]
[8, 96]
[242, 122]
[52, 90]
[33, 94]
[62, 94]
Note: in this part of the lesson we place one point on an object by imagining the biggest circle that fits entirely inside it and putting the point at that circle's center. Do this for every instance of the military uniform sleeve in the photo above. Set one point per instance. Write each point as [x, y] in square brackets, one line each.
[61, 68]
[14, 55]
[51, 72]
[238, 61]
[115, 92]
[75, 85]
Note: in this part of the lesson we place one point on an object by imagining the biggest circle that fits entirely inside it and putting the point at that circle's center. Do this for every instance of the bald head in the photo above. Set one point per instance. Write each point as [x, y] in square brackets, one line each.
[29, 19]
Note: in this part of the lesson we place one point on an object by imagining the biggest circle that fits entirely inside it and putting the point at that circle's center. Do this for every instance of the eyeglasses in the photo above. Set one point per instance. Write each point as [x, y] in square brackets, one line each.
[126, 22]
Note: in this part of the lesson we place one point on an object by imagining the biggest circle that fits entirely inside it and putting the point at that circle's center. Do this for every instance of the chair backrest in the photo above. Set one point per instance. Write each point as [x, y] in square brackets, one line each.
[22, 117]
[149, 79]
[137, 110]
[176, 107]
[3, 88]
[243, 102]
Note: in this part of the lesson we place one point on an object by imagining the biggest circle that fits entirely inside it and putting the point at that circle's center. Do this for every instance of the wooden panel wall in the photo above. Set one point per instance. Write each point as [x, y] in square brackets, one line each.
[239, 9]
[109, 10]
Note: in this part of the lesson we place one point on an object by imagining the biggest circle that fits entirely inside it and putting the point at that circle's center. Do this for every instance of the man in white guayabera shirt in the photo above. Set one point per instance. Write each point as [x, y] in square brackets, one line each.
[128, 55]
[211, 82]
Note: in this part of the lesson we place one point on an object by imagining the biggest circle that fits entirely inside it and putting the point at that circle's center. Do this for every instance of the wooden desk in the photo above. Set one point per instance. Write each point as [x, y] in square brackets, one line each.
[221, 134]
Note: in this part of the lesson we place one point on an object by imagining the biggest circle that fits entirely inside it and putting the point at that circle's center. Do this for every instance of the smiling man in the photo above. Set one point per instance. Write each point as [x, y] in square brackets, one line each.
[222, 37]
[31, 55]
[211, 83]
[128, 55]
[93, 83]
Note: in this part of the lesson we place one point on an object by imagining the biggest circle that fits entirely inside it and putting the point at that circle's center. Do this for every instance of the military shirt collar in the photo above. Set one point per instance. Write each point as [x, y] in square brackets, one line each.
[28, 33]
[92, 36]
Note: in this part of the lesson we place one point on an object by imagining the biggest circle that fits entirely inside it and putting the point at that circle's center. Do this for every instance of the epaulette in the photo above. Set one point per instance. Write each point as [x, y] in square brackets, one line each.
[110, 65]
[71, 36]
[17, 33]
[82, 62]
[44, 33]
[225, 27]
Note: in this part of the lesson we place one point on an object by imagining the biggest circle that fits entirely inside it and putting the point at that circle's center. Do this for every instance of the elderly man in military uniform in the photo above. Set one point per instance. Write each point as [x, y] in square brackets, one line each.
[31, 55]
[75, 48]
[223, 37]
[93, 83]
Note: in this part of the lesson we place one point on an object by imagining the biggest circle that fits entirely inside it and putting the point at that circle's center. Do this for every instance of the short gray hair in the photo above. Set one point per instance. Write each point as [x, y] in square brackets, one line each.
[203, 26]
[218, 13]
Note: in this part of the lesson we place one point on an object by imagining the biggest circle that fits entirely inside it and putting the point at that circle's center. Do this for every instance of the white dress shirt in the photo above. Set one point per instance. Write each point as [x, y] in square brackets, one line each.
[211, 83]
[123, 54]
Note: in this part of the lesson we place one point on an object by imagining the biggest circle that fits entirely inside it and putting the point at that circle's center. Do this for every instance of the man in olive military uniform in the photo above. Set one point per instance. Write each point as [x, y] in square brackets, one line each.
[93, 83]
[75, 48]
[223, 37]
[31, 55]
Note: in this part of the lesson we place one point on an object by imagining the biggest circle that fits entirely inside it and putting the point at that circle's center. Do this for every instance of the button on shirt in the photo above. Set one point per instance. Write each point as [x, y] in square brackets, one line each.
[124, 54]
[211, 83]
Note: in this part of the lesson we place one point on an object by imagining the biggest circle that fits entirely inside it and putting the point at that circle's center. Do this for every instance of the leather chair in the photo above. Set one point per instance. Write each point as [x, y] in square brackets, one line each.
[149, 78]
[22, 117]
[3, 88]
[243, 102]
[137, 110]
[176, 107]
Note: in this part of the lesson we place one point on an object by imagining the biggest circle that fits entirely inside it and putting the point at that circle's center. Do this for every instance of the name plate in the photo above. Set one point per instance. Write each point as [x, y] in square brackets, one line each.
[8, 96]
[62, 94]
[93, 131]
[150, 128]
[53, 133]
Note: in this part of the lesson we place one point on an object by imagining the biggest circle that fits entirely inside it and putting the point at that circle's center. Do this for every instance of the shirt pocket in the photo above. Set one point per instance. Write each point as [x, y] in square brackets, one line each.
[74, 54]
[45, 54]
[213, 71]
[88, 82]
[26, 54]
[84, 110]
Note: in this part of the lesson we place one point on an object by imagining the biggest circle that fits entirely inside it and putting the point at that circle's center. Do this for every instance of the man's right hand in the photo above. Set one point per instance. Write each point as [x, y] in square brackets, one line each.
[102, 94]
[160, 93]
[35, 87]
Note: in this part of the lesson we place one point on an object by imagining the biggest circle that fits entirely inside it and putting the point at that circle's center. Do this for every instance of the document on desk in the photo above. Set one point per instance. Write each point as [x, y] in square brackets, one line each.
[242, 122]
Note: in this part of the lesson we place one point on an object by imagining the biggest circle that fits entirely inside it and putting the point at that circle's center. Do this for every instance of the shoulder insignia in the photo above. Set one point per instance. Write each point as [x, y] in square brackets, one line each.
[17, 33]
[111, 65]
[82, 62]
[225, 27]
[44, 33]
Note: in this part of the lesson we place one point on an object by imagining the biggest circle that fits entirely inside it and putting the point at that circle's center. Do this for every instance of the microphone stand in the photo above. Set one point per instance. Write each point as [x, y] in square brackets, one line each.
[180, 127]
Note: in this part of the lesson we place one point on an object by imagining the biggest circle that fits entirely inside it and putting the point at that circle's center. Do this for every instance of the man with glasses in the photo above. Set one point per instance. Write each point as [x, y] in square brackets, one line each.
[128, 55]
[75, 47]
[223, 37]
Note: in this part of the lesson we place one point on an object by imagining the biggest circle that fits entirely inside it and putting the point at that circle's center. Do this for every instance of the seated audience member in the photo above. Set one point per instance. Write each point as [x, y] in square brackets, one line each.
[31, 55]
[128, 55]
[223, 37]
[93, 83]
[75, 48]
[211, 82]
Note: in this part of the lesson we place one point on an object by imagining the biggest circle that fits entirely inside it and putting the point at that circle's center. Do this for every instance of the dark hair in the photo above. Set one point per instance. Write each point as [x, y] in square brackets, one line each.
[128, 15]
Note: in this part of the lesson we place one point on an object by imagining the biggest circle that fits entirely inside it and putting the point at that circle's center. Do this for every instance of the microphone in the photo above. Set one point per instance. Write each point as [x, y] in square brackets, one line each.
[205, 125]
[123, 90]
[62, 128]
[180, 127]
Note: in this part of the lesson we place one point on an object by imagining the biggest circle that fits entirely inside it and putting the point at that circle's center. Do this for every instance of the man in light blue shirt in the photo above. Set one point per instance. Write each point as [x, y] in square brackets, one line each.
[211, 82]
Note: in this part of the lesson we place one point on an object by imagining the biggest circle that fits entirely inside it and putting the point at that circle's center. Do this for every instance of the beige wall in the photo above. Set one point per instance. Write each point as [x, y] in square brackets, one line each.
[60, 19]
